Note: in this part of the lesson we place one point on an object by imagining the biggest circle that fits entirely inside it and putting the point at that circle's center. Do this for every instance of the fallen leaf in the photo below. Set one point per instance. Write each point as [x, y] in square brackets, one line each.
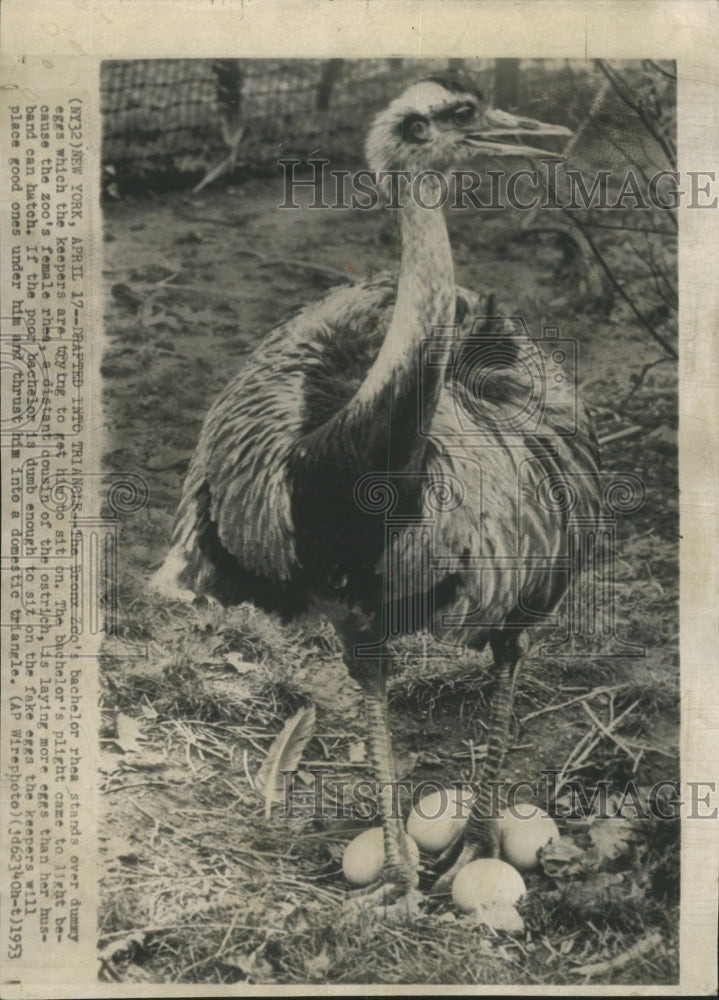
[564, 859]
[253, 965]
[318, 965]
[591, 897]
[128, 734]
[122, 848]
[143, 760]
[358, 752]
[108, 763]
[612, 838]
[239, 665]
[298, 923]
[664, 437]
[335, 851]
[122, 946]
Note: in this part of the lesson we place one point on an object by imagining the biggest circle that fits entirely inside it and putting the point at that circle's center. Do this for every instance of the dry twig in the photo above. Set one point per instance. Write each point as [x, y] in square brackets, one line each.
[624, 958]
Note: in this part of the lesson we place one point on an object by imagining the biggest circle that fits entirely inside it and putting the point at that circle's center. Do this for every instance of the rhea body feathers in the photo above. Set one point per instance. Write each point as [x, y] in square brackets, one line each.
[269, 511]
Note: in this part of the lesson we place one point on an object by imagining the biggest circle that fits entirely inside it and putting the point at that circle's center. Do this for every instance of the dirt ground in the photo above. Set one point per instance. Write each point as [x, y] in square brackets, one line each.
[199, 886]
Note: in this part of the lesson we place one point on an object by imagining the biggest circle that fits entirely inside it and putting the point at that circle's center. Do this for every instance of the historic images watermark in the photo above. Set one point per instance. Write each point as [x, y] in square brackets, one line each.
[323, 798]
[524, 190]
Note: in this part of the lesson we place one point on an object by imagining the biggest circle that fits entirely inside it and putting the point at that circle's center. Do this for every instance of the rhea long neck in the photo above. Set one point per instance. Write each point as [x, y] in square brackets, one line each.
[379, 427]
[425, 296]
[385, 413]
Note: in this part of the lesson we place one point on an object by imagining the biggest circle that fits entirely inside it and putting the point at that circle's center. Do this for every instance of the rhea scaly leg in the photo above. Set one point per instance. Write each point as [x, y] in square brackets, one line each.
[481, 834]
[398, 897]
[400, 873]
[356, 632]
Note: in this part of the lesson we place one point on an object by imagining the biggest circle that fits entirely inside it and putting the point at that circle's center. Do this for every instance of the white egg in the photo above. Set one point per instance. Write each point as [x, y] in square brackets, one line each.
[500, 916]
[438, 818]
[363, 859]
[522, 837]
[485, 883]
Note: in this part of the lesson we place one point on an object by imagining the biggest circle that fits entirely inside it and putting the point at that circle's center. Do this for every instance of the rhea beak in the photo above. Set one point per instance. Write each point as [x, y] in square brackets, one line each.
[503, 135]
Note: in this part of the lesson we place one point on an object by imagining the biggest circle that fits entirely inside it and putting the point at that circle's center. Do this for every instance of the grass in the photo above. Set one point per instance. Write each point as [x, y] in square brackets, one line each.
[199, 887]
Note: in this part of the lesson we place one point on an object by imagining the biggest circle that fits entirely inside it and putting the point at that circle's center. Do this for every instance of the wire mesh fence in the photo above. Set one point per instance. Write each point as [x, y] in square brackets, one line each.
[174, 118]
[170, 121]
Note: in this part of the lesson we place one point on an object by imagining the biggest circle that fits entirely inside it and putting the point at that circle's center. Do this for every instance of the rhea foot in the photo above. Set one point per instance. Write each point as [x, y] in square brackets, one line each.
[451, 851]
[395, 902]
[481, 840]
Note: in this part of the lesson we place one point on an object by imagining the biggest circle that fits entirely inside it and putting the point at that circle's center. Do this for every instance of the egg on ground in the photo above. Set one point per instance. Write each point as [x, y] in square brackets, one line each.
[438, 818]
[363, 859]
[522, 835]
[487, 882]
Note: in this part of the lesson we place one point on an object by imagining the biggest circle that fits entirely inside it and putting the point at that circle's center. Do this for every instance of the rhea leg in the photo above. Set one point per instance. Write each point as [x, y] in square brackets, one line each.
[481, 834]
[399, 871]
[400, 875]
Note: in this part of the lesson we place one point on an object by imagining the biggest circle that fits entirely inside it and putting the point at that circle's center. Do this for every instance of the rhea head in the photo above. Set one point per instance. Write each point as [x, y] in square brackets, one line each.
[443, 122]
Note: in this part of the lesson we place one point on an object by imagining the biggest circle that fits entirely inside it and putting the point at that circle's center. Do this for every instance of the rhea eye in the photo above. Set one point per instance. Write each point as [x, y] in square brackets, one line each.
[464, 114]
[414, 128]
[417, 129]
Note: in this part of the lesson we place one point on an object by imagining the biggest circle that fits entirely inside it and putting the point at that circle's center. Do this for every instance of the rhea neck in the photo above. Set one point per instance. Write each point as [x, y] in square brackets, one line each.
[378, 427]
[425, 296]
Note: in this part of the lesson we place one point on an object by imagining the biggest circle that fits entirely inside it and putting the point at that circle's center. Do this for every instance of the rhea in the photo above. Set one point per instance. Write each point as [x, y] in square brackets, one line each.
[334, 409]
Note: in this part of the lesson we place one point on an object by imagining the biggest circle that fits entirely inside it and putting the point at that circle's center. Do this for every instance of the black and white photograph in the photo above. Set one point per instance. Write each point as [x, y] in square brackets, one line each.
[409, 709]
[376, 543]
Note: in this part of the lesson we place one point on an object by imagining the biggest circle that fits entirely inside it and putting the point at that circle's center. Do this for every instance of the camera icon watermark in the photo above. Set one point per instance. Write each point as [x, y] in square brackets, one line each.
[504, 376]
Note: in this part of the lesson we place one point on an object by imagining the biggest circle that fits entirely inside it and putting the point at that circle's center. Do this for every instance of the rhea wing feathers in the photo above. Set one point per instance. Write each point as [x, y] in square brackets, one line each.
[237, 493]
